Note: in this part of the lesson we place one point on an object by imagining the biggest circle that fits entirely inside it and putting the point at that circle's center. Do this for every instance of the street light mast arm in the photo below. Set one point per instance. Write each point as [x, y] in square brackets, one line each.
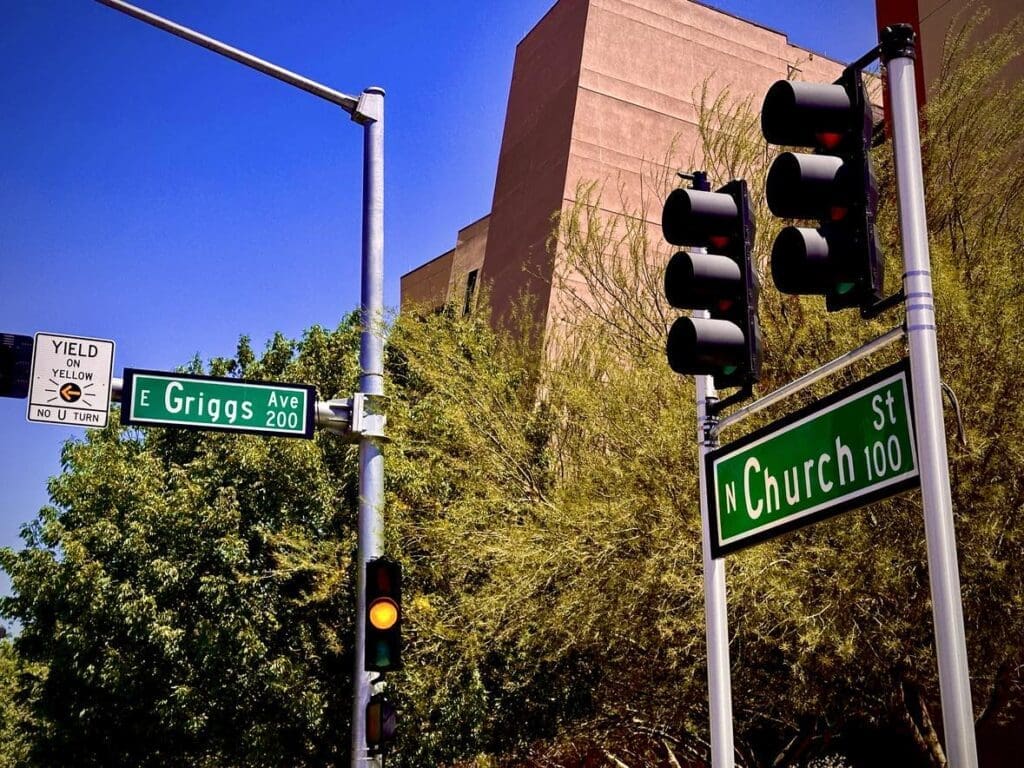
[343, 100]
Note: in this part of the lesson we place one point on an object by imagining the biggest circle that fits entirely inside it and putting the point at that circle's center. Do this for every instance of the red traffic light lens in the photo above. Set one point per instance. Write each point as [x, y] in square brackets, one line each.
[828, 140]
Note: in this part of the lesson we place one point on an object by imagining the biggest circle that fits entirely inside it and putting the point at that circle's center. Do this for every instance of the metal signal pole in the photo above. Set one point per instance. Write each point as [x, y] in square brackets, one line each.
[367, 110]
[716, 612]
[897, 46]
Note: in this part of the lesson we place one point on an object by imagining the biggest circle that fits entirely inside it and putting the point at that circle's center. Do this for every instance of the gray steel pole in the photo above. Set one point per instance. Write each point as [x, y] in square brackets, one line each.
[367, 110]
[716, 615]
[371, 382]
[943, 572]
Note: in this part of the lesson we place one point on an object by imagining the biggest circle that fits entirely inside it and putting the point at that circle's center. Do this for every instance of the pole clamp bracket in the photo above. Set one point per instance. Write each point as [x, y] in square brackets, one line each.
[368, 418]
[361, 415]
[710, 429]
[743, 393]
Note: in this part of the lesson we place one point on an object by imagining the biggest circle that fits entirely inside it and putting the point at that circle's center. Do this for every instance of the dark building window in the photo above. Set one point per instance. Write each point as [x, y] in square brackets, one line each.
[470, 290]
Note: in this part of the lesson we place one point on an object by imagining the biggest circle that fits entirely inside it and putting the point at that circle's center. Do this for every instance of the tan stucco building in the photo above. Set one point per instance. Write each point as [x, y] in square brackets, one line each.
[599, 88]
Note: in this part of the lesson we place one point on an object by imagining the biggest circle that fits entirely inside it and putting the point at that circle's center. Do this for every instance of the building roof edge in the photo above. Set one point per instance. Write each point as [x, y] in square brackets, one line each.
[711, 7]
[449, 252]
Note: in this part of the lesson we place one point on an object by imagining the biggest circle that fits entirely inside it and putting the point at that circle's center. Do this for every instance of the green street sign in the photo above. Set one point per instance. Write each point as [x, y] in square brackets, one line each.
[154, 398]
[847, 450]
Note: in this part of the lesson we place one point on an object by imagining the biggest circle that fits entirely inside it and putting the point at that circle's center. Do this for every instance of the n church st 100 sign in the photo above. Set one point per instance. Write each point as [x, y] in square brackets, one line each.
[847, 450]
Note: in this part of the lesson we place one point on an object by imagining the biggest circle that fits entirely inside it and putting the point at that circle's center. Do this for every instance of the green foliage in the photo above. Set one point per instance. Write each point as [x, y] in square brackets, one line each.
[13, 715]
[543, 537]
[187, 599]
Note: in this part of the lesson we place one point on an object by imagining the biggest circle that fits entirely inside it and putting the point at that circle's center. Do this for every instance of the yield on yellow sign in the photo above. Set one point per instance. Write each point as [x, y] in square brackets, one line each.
[70, 380]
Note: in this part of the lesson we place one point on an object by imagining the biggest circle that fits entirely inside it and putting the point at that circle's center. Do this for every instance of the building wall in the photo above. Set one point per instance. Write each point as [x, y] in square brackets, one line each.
[932, 19]
[444, 280]
[645, 63]
[601, 89]
[467, 263]
[426, 287]
[534, 157]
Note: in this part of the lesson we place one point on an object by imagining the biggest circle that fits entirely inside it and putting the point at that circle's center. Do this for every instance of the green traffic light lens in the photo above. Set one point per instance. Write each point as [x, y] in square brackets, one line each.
[842, 288]
[382, 655]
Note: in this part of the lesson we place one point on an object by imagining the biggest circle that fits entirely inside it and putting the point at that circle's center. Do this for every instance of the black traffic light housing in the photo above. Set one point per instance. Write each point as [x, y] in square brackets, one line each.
[727, 345]
[383, 646]
[840, 258]
[381, 724]
[15, 365]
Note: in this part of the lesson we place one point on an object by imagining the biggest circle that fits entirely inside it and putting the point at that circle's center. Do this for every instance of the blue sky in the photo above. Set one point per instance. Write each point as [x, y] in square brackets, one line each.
[156, 194]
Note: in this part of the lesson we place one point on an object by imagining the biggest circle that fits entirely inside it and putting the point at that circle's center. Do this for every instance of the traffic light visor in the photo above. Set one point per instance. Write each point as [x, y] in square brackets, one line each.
[803, 262]
[702, 280]
[700, 219]
[797, 114]
[803, 186]
[703, 346]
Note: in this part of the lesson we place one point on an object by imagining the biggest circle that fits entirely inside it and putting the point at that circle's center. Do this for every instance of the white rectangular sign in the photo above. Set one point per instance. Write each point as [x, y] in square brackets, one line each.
[70, 380]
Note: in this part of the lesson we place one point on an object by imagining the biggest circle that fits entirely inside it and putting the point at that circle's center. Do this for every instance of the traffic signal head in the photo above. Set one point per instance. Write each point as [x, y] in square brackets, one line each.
[840, 258]
[383, 650]
[15, 364]
[727, 345]
[381, 724]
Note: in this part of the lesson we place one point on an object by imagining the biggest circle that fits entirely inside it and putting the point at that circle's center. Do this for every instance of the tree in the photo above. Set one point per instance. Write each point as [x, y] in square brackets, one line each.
[187, 598]
[831, 626]
[13, 745]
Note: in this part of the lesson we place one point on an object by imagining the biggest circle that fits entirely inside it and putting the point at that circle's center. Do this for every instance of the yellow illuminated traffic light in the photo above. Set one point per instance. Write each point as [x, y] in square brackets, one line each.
[383, 647]
[383, 613]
